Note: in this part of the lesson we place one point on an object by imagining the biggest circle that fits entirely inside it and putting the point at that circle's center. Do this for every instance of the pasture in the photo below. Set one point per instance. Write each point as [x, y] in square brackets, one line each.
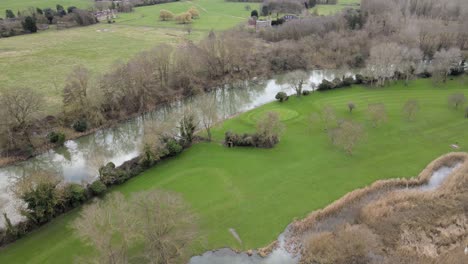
[332, 9]
[43, 60]
[259, 191]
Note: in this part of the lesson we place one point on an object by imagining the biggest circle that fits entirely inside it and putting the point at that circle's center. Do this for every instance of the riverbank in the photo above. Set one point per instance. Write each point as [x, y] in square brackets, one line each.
[259, 192]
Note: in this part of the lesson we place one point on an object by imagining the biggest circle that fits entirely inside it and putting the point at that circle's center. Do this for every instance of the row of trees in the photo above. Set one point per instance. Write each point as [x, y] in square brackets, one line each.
[27, 21]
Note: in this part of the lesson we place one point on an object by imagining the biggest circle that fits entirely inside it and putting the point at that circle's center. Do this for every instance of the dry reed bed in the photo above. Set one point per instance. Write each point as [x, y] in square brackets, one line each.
[353, 197]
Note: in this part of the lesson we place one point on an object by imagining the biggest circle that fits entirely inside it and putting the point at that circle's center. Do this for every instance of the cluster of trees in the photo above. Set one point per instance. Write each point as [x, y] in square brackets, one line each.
[27, 21]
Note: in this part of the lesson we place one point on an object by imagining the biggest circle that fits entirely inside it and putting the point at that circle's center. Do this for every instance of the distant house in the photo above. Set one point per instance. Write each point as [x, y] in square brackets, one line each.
[290, 17]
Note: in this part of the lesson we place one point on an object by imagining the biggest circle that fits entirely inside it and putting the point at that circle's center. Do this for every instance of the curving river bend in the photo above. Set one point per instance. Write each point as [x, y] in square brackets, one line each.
[78, 160]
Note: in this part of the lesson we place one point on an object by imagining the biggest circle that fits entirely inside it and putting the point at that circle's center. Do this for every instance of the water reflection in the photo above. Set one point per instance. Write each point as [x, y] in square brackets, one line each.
[78, 160]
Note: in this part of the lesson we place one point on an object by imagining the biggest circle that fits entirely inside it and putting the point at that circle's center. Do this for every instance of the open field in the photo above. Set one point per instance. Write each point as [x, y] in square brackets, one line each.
[43, 61]
[214, 15]
[331, 9]
[19, 5]
[258, 191]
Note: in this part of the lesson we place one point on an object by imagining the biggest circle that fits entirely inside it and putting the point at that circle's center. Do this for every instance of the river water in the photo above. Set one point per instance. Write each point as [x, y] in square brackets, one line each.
[78, 160]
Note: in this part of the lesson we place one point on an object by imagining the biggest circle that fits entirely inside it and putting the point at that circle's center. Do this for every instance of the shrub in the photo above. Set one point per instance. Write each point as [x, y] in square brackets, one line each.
[337, 83]
[173, 147]
[165, 15]
[359, 79]
[29, 24]
[40, 195]
[305, 92]
[254, 13]
[97, 187]
[348, 81]
[80, 125]
[193, 12]
[56, 138]
[9, 14]
[281, 96]
[74, 195]
[184, 18]
[325, 85]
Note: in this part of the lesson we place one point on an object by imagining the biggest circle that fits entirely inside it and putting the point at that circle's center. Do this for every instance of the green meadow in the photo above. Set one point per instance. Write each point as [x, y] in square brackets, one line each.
[259, 191]
[332, 9]
[43, 60]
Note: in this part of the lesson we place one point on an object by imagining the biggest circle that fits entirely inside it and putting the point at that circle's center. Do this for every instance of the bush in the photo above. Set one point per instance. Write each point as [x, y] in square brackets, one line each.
[325, 85]
[184, 18]
[80, 125]
[348, 81]
[165, 15]
[254, 13]
[97, 187]
[281, 96]
[74, 195]
[108, 174]
[29, 24]
[305, 92]
[193, 12]
[173, 147]
[56, 138]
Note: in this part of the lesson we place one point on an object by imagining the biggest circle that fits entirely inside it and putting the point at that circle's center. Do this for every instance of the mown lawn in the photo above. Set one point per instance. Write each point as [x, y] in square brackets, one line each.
[20, 5]
[259, 191]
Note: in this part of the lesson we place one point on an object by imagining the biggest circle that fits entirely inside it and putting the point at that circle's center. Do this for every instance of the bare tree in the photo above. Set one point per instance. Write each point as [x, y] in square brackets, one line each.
[347, 135]
[270, 127]
[444, 61]
[411, 58]
[21, 105]
[410, 109]
[328, 117]
[351, 106]
[165, 224]
[159, 221]
[377, 114]
[20, 108]
[208, 112]
[456, 100]
[383, 62]
[107, 225]
[296, 80]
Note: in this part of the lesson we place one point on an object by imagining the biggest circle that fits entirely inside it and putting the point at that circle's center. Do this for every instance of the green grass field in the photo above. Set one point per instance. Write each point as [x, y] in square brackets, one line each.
[332, 9]
[259, 191]
[20, 5]
[43, 60]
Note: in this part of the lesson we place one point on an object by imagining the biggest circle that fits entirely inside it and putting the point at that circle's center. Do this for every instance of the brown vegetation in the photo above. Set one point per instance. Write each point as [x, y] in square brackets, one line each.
[392, 224]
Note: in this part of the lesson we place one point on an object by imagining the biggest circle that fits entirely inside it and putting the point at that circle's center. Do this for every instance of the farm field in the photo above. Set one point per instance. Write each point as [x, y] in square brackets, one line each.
[19, 5]
[259, 191]
[331, 9]
[43, 61]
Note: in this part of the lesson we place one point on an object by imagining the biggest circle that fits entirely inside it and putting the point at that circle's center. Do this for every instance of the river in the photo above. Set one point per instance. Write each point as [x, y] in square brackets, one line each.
[78, 160]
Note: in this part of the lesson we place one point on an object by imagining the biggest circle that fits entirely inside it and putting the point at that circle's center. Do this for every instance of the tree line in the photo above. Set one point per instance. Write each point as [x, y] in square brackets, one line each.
[29, 21]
